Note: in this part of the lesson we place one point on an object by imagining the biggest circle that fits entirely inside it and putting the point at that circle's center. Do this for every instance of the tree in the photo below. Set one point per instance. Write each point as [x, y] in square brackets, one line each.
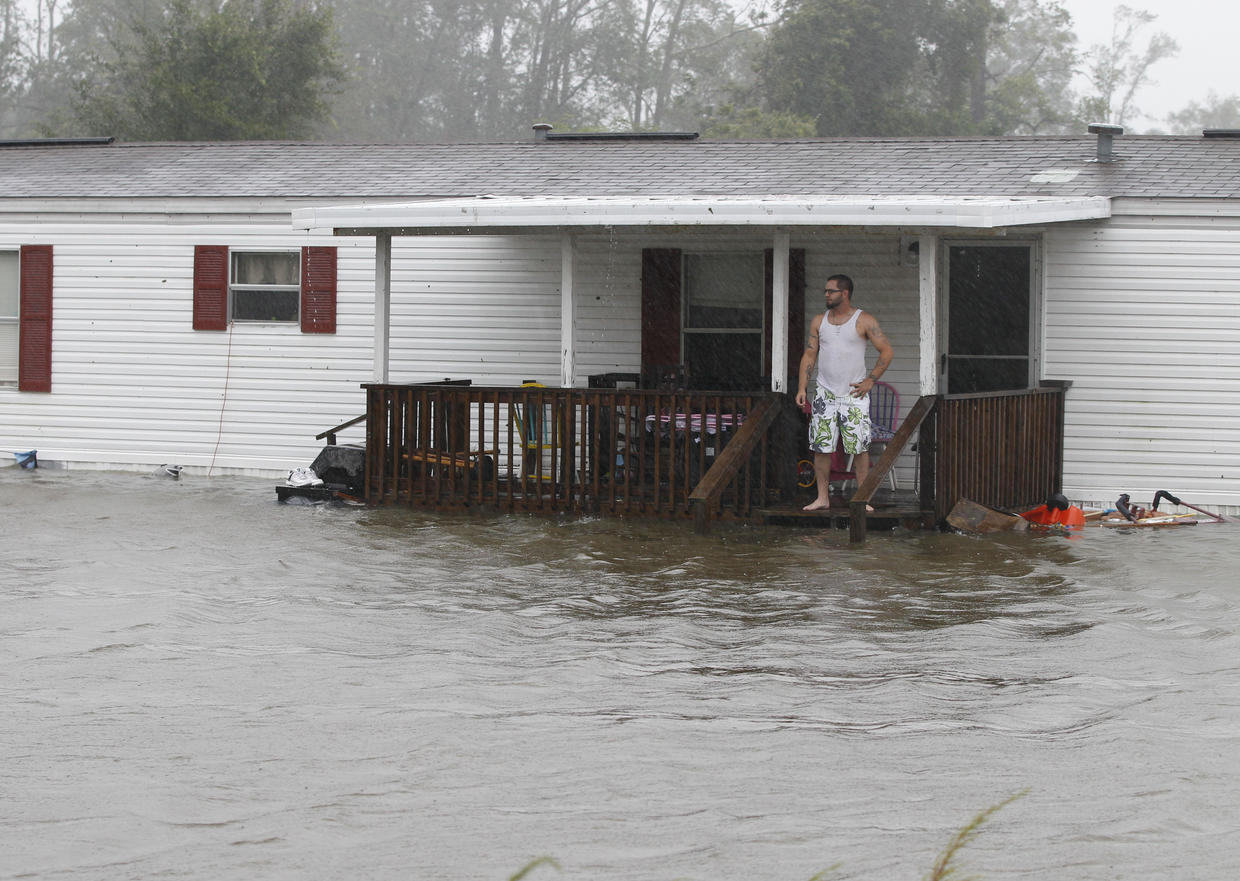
[1218, 111]
[1029, 68]
[490, 68]
[70, 50]
[731, 123]
[949, 87]
[246, 70]
[921, 67]
[441, 69]
[715, 81]
[12, 62]
[678, 49]
[1118, 70]
[418, 69]
[847, 64]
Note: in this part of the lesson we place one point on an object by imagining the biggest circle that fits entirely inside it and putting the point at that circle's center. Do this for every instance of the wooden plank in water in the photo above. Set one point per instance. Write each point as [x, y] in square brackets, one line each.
[969, 516]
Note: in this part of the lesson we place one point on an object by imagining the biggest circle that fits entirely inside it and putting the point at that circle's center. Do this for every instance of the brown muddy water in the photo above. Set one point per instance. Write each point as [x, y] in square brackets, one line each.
[200, 683]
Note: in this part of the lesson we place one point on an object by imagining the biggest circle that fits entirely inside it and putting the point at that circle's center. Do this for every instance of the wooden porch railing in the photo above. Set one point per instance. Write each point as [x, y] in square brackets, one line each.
[629, 451]
[704, 499]
[1001, 449]
[683, 454]
[331, 433]
[878, 470]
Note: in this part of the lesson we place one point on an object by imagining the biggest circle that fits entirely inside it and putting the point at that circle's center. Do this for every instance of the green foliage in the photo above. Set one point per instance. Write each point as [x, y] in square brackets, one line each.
[847, 64]
[468, 69]
[256, 70]
[73, 52]
[1216, 111]
[1029, 67]
[737, 123]
[921, 67]
[12, 63]
[949, 86]
[402, 70]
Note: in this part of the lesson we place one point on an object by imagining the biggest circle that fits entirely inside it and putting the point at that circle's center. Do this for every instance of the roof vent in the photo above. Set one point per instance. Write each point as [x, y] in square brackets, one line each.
[56, 142]
[542, 132]
[1233, 133]
[623, 136]
[1106, 136]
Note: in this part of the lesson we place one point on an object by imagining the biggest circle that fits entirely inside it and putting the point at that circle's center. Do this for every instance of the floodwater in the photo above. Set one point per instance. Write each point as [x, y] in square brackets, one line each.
[201, 683]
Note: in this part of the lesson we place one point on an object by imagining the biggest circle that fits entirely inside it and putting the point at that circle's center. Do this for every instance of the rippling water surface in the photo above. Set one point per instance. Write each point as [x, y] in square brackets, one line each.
[201, 683]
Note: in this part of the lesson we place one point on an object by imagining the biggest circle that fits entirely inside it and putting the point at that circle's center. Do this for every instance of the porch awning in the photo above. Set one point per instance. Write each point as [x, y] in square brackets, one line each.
[497, 214]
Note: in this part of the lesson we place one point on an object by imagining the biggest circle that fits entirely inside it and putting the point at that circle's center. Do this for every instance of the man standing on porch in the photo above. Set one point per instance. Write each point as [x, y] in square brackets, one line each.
[841, 403]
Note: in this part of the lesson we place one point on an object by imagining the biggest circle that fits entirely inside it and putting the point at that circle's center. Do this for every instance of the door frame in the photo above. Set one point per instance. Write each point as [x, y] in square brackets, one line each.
[1036, 313]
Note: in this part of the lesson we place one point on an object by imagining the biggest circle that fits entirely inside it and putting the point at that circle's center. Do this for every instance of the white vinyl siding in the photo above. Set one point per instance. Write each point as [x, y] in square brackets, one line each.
[136, 386]
[1143, 316]
[485, 308]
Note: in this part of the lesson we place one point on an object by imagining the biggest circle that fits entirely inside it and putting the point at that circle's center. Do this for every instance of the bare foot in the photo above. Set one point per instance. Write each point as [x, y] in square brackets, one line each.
[817, 505]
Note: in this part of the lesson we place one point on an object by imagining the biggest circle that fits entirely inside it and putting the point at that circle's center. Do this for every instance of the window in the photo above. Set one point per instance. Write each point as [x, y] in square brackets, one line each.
[10, 312]
[712, 313]
[26, 318]
[724, 332]
[265, 286]
[287, 287]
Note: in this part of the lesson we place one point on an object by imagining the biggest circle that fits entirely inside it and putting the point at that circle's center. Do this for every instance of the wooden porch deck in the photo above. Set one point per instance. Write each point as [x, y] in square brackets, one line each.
[900, 509]
[706, 456]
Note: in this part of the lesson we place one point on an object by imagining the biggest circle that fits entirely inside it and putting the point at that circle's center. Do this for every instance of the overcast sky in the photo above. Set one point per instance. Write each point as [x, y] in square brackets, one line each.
[1209, 56]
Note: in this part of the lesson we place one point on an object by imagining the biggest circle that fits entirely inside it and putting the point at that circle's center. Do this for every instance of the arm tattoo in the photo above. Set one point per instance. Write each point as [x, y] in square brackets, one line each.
[879, 339]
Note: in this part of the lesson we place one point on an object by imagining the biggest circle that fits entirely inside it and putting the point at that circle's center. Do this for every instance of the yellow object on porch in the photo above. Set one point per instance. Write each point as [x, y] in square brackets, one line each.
[540, 430]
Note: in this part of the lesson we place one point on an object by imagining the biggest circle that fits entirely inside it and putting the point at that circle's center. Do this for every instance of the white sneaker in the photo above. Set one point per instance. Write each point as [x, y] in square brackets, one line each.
[303, 477]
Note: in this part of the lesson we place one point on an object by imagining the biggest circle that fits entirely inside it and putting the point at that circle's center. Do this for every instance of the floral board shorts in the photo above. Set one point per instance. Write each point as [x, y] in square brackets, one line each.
[831, 415]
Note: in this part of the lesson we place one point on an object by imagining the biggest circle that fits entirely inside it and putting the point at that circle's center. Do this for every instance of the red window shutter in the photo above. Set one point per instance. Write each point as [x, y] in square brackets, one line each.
[318, 290]
[34, 368]
[210, 287]
[661, 271]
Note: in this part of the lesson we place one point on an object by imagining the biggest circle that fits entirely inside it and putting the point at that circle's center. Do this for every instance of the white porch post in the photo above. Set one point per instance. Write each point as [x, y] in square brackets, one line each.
[383, 304]
[568, 351]
[779, 313]
[928, 283]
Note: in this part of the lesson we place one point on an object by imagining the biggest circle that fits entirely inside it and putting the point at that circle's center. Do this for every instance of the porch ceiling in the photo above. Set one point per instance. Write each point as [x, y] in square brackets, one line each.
[498, 214]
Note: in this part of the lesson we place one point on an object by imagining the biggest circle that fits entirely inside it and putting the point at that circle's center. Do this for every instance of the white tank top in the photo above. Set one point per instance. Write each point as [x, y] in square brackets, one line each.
[841, 355]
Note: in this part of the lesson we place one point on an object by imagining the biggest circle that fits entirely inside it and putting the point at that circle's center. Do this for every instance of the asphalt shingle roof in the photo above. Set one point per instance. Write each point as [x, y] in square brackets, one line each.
[1144, 166]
